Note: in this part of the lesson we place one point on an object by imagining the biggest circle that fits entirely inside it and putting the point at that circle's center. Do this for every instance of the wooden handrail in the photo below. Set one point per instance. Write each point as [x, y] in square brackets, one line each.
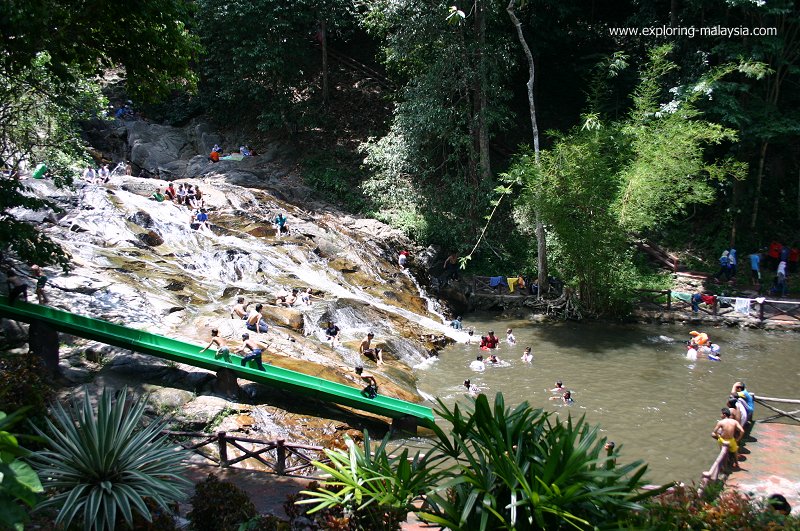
[712, 474]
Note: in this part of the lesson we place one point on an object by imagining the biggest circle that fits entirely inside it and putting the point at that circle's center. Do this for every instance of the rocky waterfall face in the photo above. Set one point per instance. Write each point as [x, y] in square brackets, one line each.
[138, 262]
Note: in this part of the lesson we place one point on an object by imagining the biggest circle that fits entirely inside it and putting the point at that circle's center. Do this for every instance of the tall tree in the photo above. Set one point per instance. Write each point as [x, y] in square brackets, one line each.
[541, 242]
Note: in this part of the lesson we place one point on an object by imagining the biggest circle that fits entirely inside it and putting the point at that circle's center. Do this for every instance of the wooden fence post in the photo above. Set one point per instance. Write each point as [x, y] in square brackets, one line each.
[669, 300]
[761, 311]
[223, 449]
[716, 305]
[280, 460]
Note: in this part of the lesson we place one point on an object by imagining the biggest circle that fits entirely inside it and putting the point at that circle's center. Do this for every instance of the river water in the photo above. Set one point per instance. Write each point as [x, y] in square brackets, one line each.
[632, 380]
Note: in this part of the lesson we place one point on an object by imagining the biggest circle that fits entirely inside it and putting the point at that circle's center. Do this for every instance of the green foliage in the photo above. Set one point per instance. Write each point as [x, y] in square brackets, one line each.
[682, 508]
[495, 468]
[102, 467]
[19, 485]
[329, 174]
[219, 506]
[525, 469]
[269, 74]
[149, 39]
[374, 488]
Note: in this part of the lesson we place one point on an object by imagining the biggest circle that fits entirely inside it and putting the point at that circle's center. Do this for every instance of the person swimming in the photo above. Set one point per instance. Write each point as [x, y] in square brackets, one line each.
[510, 339]
[527, 356]
[494, 359]
[565, 398]
[559, 388]
[472, 389]
[478, 364]
[691, 351]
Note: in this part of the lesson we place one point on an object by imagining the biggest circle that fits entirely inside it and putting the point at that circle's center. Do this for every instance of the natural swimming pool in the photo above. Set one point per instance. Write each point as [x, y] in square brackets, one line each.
[633, 380]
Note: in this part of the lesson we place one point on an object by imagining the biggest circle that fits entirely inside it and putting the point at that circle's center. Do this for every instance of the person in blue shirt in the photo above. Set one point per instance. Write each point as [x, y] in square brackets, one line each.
[755, 270]
[280, 224]
[456, 323]
[732, 261]
[724, 266]
[740, 391]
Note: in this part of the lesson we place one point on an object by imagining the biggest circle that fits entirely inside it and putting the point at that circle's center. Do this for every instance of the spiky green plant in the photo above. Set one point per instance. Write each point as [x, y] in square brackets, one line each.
[376, 489]
[100, 466]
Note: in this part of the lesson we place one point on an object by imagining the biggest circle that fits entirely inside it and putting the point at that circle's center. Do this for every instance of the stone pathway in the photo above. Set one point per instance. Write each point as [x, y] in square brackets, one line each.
[771, 464]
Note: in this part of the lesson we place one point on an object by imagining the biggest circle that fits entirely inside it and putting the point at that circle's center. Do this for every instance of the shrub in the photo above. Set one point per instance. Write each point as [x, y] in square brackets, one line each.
[683, 508]
[23, 383]
[103, 467]
[219, 506]
[19, 484]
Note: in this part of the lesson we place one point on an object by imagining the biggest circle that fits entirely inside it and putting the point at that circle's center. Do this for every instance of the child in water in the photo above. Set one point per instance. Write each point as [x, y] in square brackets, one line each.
[527, 356]
[510, 339]
[566, 398]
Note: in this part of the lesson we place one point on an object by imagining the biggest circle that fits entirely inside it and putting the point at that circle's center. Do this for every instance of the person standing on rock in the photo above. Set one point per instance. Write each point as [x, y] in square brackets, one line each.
[222, 349]
[239, 310]
[17, 287]
[41, 281]
[365, 349]
[256, 348]
[332, 333]
[256, 322]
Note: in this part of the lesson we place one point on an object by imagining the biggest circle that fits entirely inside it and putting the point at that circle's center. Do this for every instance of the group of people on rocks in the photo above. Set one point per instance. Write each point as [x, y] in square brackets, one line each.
[778, 259]
[96, 175]
[216, 152]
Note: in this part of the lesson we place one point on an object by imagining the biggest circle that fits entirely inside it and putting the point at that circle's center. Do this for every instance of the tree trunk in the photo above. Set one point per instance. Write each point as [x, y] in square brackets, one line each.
[483, 133]
[541, 242]
[759, 179]
[324, 43]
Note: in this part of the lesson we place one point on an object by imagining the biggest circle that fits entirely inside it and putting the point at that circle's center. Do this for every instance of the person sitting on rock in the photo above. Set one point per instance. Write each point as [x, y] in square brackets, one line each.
[239, 310]
[256, 322]
[170, 192]
[365, 349]
[371, 390]
[286, 299]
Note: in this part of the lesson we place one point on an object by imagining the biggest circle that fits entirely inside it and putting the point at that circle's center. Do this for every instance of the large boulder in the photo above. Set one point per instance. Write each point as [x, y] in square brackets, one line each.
[153, 146]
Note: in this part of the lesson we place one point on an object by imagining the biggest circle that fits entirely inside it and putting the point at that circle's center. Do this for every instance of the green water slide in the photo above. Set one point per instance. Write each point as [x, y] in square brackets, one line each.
[179, 351]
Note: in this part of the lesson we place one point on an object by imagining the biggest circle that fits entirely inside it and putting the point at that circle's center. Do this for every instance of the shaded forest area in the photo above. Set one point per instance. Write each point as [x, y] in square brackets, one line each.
[417, 113]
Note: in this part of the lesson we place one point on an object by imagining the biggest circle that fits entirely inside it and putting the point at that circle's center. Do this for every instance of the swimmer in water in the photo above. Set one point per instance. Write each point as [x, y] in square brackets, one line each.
[527, 356]
[478, 364]
[559, 388]
[472, 389]
[691, 351]
[470, 333]
[510, 339]
[494, 359]
[566, 398]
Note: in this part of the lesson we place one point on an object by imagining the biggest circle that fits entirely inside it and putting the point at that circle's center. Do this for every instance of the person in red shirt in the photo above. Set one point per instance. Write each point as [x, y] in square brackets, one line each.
[774, 254]
[491, 340]
[794, 258]
[214, 156]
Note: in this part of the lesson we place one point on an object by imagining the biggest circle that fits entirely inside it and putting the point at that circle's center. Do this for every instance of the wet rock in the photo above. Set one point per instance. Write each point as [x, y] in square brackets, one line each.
[150, 238]
[287, 317]
[141, 218]
[169, 399]
[202, 410]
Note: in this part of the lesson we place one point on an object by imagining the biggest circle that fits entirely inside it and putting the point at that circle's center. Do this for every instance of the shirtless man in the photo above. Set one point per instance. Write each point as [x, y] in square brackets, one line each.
[256, 322]
[222, 349]
[371, 390]
[559, 388]
[728, 431]
[287, 299]
[256, 348]
[239, 310]
[375, 354]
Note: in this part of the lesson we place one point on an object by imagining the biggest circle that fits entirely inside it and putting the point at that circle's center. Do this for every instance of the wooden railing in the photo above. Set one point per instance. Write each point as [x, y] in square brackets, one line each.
[278, 456]
[765, 310]
[712, 474]
[779, 413]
